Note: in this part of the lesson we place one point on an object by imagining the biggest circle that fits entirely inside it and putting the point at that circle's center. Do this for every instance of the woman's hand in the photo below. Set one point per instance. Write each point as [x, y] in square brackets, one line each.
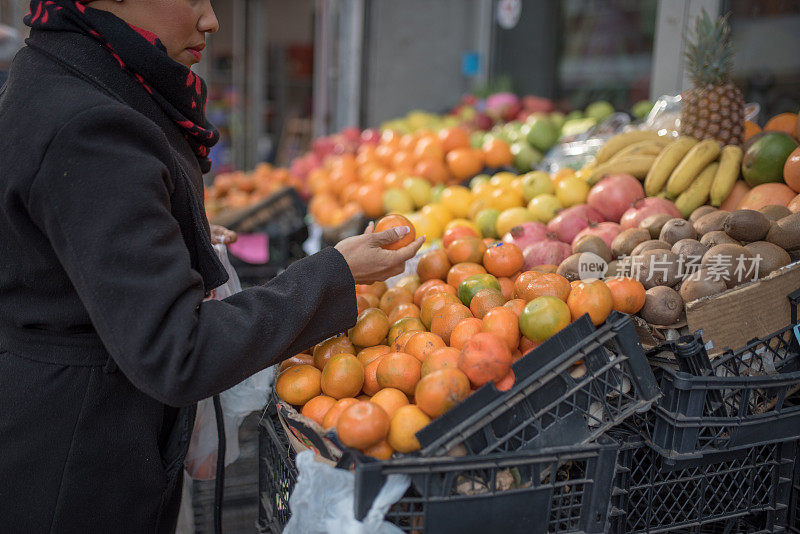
[369, 262]
[222, 236]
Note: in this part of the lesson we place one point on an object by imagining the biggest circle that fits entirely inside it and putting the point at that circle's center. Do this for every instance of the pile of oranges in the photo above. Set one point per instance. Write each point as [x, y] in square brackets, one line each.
[351, 183]
[421, 347]
[238, 190]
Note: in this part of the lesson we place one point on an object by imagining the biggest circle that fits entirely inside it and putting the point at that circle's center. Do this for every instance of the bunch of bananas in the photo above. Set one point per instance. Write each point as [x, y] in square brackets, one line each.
[683, 169]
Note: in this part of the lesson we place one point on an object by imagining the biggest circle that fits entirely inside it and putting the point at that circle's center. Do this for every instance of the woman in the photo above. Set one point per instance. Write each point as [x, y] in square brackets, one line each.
[106, 343]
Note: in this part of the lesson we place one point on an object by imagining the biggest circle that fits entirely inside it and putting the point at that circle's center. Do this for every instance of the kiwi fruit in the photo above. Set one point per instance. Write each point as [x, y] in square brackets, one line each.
[701, 283]
[657, 268]
[746, 225]
[773, 212]
[718, 237]
[785, 232]
[699, 212]
[594, 244]
[653, 244]
[662, 306]
[569, 268]
[689, 248]
[771, 257]
[677, 229]
[654, 223]
[733, 262]
[710, 222]
[627, 240]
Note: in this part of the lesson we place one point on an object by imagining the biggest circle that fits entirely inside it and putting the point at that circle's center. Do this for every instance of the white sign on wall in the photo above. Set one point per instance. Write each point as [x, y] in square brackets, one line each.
[508, 13]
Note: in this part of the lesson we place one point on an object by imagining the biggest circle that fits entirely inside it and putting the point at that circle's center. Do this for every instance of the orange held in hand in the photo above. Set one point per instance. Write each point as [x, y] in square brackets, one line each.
[363, 425]
[395, 221]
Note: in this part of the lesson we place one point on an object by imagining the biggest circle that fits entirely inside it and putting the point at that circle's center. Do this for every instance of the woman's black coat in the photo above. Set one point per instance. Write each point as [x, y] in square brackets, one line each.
[105, 341]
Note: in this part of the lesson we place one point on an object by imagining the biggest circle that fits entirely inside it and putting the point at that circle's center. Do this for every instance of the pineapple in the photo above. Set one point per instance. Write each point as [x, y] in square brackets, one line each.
[714, 108]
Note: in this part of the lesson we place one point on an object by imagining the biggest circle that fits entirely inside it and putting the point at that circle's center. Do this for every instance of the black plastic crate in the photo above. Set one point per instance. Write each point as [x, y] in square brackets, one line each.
[794, 511]
[742, 398]
[555, 401]
[741, 491]
[554, 490]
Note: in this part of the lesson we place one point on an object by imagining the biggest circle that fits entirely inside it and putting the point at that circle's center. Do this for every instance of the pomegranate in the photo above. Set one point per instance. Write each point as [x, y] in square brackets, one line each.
[550, 251]
[606, 231]
[526, 234]
[614, 194]
[568, 223]
[645, 207]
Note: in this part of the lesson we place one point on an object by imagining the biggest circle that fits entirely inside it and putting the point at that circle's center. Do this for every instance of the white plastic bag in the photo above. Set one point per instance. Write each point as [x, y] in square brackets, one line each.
[247, 396]
[322, 501]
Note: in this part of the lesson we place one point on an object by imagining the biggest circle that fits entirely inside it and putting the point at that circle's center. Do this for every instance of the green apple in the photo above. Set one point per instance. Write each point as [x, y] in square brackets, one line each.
[544, 207]
[525, 156]
[576, 126]
[557, 118]
[572, 115]
[477, 138]
[599, 110]
[541, 134]
[487, 222]
[641, 109]
[536, 183]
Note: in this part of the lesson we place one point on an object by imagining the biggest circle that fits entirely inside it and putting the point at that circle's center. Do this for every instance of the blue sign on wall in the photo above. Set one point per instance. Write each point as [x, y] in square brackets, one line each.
[470, 63]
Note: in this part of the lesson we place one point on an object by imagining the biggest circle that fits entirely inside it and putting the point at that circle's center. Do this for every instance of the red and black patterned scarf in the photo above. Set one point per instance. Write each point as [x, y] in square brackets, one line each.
[176, 89]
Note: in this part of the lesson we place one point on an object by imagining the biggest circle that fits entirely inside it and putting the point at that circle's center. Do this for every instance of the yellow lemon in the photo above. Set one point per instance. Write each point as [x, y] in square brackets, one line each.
[457, 199]
[571, 191]
[512, 217]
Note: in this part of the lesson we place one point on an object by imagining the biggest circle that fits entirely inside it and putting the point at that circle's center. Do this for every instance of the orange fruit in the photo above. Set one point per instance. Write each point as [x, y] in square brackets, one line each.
[298, 359]
[421, 344]
[463, 332]
[506, 287]
[456, 232]
[316, 408]
[791, 170]
[766, 194]
[432, 169]
[526, 345]
[516, 305]
[407, 421]
[461, 271]
[485, 358]
[750, 129]
[405, 309]
[423, 289]
[497, 153]
[362, 425]
[342, 376]
[376, 288]
[503, 259]
[446, 319]
[485, 300]
[507, 382]
[406, 324]
[440, 359]
[782, 122]
[399, 370]
[393, 221]
[592, 297]
[410, 282]
[363, 397]
[466, 249]
[531, 285]
[395, 296]
[440, 390]
[381, 450]
[371, 386]
[333, 345]
[332, 417]
[464, 163]
[399, 344]
[453, 138]
[370, 198]
[299, 384]
[433, 302]
[370, 329]
[369, 354]
[503, 323]
[390, 399]
[363, 302]
[627, 294]
[434, 264]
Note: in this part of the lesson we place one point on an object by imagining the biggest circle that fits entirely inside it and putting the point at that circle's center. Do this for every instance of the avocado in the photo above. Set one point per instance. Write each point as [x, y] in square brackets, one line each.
[763, 162]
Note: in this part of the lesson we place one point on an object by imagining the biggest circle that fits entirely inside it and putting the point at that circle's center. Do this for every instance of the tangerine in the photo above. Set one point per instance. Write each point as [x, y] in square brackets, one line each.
[421, 344]
[369, 354]
[363, 425]
[543, 317]
[370, 329]
[390, 399]
[464, 162]
[461, 271]
[485, 358]
[466, 249]
[507, 382]
[506, 287]
[425, 286]
[297, 359]
[463, 332]
[532, 285]
[407, 421]
[592, 297]
[456, 232]
[406, 324]
[503, 323]
[395, 220]
[486, 300]
[516, 305]
[440, 390]
[299, 384]
[399, 344]
[453, 138]
[627, 294]
[337, 344]
[440, 359]
[371, 386]
[399, 370]
[342, 376]
[406, 309]
[394, 297]
[503, 259]
[433, 302]
[446, 319]
[497, 153]
[332, 417]
[381, 450]
[782, 122]
[316, 408]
